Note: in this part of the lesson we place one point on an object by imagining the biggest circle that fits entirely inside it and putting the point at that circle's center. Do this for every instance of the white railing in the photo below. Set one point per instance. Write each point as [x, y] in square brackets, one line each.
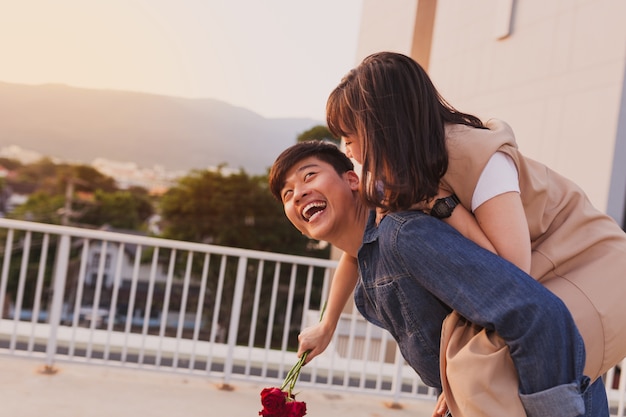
[72, 294]
[81, 295]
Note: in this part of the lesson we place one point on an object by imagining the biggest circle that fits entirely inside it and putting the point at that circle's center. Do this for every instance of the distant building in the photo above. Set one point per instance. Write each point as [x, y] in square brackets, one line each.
[25, 156]
[13, 200]
[128, 174]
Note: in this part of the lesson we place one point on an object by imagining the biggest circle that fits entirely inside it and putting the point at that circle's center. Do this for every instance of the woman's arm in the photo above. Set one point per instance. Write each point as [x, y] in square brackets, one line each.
[317, 337]
[465, 223]
[499, 225]
[503, 221]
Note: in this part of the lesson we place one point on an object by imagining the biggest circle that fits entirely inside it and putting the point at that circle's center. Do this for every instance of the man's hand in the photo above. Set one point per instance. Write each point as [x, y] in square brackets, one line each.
[314, 339]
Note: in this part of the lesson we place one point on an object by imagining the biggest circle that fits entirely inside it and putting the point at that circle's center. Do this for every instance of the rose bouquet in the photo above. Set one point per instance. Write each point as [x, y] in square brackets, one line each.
[278, 403]
[281, 402]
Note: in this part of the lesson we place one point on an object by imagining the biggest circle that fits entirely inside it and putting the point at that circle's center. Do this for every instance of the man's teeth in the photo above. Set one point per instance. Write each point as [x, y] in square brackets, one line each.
[312, 208]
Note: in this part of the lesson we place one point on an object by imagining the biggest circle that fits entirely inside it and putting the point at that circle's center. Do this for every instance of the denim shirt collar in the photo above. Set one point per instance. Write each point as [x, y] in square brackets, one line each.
[371, 229]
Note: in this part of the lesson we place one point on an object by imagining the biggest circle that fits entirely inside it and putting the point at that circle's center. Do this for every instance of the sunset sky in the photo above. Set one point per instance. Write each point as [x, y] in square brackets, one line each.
[279, 58]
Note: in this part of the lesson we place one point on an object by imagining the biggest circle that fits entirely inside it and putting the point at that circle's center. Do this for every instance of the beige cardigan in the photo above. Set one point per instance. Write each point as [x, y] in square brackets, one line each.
[578, 252]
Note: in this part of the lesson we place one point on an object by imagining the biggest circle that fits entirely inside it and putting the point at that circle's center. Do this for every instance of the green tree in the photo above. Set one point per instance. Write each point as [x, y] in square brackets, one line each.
[88, 178]
[37, 176]
[40, 207]
[10, 164]
[49, 184]
[319, 132]
[118, 209]
[231, 210]
[239, 211]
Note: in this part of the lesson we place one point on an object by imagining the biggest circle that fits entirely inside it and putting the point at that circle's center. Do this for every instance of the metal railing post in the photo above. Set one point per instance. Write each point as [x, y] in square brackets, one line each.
[233, 329]
[4, 277]
[396, 383]
[60, 274]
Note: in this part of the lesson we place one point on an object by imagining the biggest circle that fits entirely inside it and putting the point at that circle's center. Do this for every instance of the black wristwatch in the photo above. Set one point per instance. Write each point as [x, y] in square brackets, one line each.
[443, 207]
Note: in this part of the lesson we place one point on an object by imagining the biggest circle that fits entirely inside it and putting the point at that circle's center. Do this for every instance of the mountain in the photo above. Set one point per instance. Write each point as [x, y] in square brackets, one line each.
[80, 125]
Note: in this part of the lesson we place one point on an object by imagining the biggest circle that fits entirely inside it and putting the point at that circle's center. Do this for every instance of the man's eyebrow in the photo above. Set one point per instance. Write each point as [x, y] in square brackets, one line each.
[307, 166]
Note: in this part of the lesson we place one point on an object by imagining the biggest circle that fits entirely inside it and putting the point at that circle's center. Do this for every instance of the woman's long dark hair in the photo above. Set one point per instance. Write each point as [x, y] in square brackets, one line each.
[391, 104]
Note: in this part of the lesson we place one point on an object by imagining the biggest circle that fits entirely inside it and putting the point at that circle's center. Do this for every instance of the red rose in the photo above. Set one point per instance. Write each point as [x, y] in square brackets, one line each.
[281, 402]
[295, 409]
[273, 401]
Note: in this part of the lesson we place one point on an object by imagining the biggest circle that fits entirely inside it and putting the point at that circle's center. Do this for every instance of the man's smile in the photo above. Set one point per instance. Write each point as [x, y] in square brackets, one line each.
[312, 209]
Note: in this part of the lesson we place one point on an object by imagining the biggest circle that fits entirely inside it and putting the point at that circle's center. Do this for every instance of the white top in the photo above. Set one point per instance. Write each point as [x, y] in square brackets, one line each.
[499, 176]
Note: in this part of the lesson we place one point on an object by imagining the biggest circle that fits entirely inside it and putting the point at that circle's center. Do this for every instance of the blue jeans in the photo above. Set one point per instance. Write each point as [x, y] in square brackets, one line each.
[596, 402]
[415, 270]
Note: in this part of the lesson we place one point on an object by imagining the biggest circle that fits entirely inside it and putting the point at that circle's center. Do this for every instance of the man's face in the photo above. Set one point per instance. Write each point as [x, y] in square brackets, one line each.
[316, 199]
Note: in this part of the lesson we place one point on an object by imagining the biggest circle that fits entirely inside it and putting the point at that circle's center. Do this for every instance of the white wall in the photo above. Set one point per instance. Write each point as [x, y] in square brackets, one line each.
[386, 26]
[557, 79]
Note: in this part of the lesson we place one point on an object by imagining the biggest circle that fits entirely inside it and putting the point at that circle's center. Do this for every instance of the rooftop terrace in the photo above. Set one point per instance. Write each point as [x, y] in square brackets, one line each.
[81, 390]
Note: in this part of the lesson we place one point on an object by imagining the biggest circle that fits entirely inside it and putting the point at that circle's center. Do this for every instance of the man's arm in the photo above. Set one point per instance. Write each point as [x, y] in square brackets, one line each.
[317, 337]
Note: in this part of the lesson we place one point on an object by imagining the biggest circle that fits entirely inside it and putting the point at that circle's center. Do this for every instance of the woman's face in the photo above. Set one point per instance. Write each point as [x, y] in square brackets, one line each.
[353, 147]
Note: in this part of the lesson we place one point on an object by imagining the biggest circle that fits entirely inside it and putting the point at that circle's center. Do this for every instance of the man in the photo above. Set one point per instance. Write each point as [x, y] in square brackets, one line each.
[415, 270]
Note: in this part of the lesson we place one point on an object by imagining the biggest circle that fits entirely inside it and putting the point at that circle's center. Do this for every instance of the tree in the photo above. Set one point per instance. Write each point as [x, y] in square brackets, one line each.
[231, 210]
[239, 211]
[33, 177]
[90, 179]
[10, 164]
[50, 184]
[40, 207]
[319, 132]
[118, 209]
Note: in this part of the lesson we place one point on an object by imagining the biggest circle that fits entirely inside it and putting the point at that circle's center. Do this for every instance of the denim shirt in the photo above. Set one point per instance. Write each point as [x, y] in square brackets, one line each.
[415, 269]
[387, 296]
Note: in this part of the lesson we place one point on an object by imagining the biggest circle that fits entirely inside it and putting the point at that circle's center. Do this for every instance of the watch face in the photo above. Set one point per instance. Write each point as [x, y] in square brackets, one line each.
[443, 207]
[441, 210]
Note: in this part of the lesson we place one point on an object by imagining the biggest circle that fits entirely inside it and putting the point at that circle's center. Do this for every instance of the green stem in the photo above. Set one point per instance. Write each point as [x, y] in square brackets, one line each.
[294, 373]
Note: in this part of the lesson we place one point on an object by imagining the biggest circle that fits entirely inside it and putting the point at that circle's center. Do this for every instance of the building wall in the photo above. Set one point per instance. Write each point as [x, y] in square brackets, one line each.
[386, 25]
[553, 70]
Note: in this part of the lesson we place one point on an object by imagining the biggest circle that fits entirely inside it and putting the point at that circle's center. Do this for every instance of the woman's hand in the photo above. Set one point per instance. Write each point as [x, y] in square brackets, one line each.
[314, 339]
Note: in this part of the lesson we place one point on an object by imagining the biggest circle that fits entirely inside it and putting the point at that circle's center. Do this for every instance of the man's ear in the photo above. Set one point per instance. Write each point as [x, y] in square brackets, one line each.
[353, 180]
